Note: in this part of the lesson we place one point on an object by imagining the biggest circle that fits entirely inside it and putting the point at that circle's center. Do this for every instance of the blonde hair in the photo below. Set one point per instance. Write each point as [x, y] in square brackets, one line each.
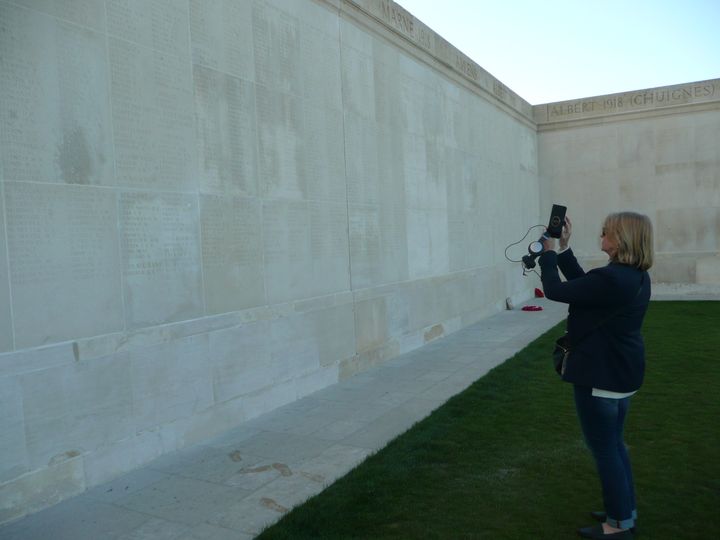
[633, 233]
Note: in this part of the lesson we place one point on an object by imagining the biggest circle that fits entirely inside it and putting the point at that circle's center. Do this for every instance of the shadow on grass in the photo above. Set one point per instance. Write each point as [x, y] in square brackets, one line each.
[505, 458]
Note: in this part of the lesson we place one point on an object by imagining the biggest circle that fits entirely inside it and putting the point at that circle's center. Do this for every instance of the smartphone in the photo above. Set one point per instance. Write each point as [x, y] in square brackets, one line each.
[557, 221]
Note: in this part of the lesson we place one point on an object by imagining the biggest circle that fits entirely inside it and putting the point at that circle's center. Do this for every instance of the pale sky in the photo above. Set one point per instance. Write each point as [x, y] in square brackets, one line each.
[553, 50]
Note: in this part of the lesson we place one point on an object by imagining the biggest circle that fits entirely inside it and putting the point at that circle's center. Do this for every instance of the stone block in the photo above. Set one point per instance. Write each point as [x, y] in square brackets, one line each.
[226, 133]
[305, 250]
[371, 328]
[241, 361]
[74, 409]
[232, 253]
[12, 431]
[319, 58]
[378, 245]
[674, 142]
[276, 43]
[221, 36]
[690, 229]
[707, 182]
[707, 270]
[90, 13]
[334, 329]
[161, 25]
[280, 125]
[117, 458]
[55, 106]
[269, 398]
[64, 266]
[323, 154]
[161, 258]
[200, 427]
[294, 346]
[170, 381]
[40, 489]
[6, 329]
[152, 113]
[427, 243]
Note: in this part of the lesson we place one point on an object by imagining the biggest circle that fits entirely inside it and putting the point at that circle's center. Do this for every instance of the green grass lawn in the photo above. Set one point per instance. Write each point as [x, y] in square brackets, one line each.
[505, 458]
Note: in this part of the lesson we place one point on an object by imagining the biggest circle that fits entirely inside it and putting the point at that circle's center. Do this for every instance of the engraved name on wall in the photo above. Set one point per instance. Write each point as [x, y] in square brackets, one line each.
[653, 98]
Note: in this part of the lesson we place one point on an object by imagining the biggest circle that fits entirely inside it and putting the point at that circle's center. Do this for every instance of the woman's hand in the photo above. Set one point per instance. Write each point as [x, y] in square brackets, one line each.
[566, 232]
[548, 244]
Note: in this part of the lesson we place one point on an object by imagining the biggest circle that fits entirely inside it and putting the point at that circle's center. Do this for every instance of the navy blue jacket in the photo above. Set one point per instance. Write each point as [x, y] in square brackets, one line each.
[611, 357]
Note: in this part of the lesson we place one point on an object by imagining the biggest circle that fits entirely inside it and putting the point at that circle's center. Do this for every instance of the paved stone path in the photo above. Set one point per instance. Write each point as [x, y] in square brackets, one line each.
[231, 487]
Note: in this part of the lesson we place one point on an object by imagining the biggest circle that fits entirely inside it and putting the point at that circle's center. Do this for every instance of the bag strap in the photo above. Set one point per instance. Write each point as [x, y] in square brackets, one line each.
[613, 314]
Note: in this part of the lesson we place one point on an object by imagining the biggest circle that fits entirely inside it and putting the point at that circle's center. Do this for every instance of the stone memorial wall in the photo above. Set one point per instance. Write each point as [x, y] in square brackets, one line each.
[211, 208]
[656, 151]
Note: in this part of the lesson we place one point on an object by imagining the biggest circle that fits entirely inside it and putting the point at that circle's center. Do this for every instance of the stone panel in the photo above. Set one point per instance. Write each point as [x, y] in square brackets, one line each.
[161, 258]
[6, 332]
[378, 245]
[365, 246]
[357, 81]
[276, 43]
[54, 111]
[171, 381]
[329, 250]
[227, 133]
[74, 409]
[294, 346]
[64, 262]
[687, 229]
[280, 144]
[222, 37]
[153, 121]
[241, 362]
[232, 253]
[427, 242]
[371, 323]
[158, 24]
[362, 161]
[90, 13]
[335, 331]
[12, 431]
[39, 489]
[287, 249]
[320, 60]
[323, 154]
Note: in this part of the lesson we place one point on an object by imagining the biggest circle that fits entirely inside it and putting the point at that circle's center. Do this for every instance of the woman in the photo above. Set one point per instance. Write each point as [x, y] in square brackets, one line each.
[607, 360]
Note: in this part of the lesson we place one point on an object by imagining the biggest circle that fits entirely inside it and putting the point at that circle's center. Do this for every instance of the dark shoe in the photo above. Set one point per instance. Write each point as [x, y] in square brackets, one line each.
[596, 533]
[602, 517]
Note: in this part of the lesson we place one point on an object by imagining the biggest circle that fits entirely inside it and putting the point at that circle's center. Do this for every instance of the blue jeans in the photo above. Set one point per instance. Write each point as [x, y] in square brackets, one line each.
[602, 421]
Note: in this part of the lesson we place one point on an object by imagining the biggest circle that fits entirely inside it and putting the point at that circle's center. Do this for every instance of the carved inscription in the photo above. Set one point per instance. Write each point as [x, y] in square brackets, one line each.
[59, 235]
[158, 24]
[276, 45]
[159, 234]
[328, 223]
[227, 133]
[222, 36]
[425, 37]
[633, 101]
[231, 232]
[152, 100]
[398, 17]
[499, 89]
[466, 67]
